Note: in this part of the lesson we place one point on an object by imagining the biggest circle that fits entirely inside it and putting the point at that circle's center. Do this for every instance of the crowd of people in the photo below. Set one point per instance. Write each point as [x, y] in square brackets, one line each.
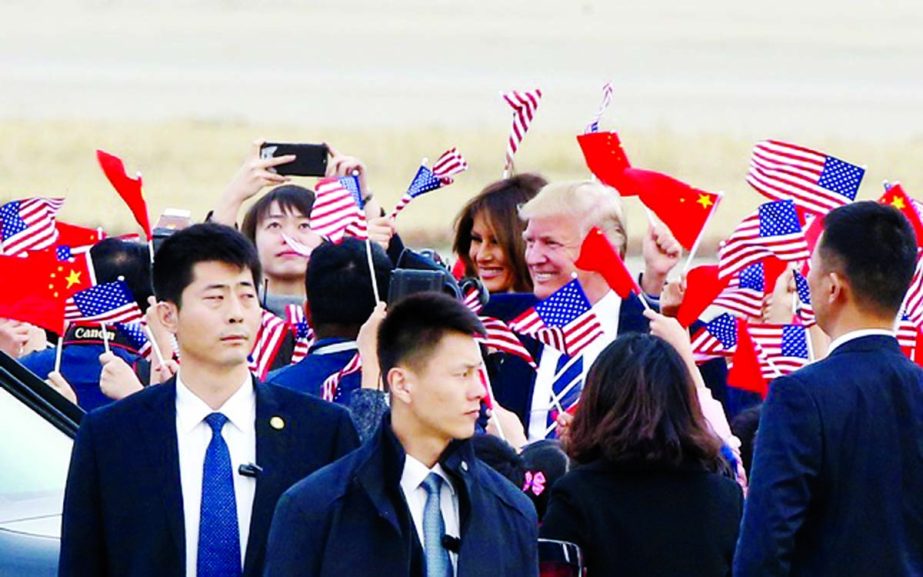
[282, 421]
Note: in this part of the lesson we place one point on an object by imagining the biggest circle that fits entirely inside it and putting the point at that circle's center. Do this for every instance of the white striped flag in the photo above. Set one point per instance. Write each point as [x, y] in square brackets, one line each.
[269, 338]
[773, 230]
[426, 179]
[749, 289]
[450, 163]
[785, 347]
[718, 338]
[137, 336]
[28, 224]
[110, 302]
[564, 321]
[524, 104]
[301, 330]
[907, 333]
[330, 389]
[804, 310]
[335, 210]
[815, 181]
[500, 336]
[606, 101]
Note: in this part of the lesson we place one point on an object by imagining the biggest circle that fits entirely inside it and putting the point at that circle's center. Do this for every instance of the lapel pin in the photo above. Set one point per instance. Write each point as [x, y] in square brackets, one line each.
[277, 423]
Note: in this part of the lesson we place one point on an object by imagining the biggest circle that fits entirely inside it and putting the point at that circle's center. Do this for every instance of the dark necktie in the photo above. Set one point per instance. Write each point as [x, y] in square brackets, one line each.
[437, 557]
[219, 537]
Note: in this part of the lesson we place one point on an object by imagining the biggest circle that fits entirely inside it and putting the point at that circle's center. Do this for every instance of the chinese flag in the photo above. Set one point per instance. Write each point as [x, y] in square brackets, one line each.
[746, 373]
[44, 281]
[73, 235]
[684, 209]
[128, 188]
[604, 157]
[597, 255]
[702, 286]
[896, 197]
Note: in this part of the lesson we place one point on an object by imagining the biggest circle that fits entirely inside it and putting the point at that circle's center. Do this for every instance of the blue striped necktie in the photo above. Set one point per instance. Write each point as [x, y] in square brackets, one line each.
[219, 537]
[437, 557]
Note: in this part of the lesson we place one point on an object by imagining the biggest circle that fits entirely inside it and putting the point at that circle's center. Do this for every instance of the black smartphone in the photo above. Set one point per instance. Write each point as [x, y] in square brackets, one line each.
[407, 282]
[310, 159]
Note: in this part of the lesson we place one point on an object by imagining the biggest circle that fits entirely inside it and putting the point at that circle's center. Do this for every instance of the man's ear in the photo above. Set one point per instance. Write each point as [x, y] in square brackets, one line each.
[837, 288]
[400, 384]
[168, 315]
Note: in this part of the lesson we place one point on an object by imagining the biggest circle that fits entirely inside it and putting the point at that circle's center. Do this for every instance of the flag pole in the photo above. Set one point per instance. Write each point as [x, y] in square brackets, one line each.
[57, 353]
[368, 254]
[157, 352]
[105, 337]
[698, 240]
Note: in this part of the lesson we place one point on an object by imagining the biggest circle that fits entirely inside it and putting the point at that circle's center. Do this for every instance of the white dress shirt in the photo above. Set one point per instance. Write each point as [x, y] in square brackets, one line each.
[193, 435]
[857, 334]
[607, 311]
[412, 479]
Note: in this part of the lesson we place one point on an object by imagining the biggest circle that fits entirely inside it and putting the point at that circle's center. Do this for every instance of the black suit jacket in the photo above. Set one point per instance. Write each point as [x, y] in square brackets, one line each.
[837, 482]
[350, 518]
[123, 506]
[647, 521]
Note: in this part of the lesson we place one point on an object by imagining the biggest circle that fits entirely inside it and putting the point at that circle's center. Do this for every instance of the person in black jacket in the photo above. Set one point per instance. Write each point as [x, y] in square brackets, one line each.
[414, 500]
[647, 496]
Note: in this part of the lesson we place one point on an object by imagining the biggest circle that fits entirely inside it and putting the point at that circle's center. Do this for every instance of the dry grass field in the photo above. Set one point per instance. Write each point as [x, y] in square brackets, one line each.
[179, 89]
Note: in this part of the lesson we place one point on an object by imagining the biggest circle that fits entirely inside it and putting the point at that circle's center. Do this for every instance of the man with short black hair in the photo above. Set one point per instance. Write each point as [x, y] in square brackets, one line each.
[837, 480]
[414, 500]
[340, 300]
[182, 478]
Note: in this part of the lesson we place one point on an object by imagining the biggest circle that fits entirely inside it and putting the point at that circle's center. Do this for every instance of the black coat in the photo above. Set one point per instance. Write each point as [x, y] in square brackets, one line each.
[351, 519]
[647, 522]
[123, 506]
[837, 483]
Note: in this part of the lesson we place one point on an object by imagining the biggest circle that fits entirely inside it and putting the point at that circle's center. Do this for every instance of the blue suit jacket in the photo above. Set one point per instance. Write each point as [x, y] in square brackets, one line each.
[123, 506]
[308, 374]
[351, 519]
[837, 481]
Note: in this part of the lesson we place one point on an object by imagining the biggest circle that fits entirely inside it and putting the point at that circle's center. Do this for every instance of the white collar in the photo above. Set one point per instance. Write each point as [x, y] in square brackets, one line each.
[857, 334]
[416, 472]
[239, 408]
[607, 308]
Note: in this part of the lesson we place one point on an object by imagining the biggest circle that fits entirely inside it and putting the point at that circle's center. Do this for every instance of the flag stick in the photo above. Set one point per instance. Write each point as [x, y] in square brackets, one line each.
[157, 352]
[698, 240]
[57, 353]
[368, 254]
[807, 334]
[105, 337]
[150, 249]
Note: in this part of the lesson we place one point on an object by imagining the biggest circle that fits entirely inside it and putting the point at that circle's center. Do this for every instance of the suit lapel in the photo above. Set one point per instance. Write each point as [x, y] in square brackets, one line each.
[158, 429]
[272, 442]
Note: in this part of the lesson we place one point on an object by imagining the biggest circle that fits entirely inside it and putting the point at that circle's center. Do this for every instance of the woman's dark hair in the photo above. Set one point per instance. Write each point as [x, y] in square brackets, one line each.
[499, 204]
[290, 197]
[639, 408]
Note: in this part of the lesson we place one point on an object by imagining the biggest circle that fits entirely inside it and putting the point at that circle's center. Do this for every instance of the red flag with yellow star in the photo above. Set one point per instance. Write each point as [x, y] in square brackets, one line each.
[684, 209]
[604, 157]
[899, 199]
[43, 282]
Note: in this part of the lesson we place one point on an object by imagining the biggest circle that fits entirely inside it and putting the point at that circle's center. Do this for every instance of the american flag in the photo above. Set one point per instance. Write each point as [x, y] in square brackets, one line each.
[269, 338]
[302, 331]
[501, 337]
[718, 338]
[906, 333]
[451, 162]
[335, 210]
[565, 320]
[816, 181]
[804, 309]
[773, 230]
[912, 306]
[423, 181]
[472, 300]
[137, 336]
[330, 389]
[565, 392]
[110, 302]
[28, 224]
[606, 101]
[524, 104]
[785, 347]
[746, 293]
